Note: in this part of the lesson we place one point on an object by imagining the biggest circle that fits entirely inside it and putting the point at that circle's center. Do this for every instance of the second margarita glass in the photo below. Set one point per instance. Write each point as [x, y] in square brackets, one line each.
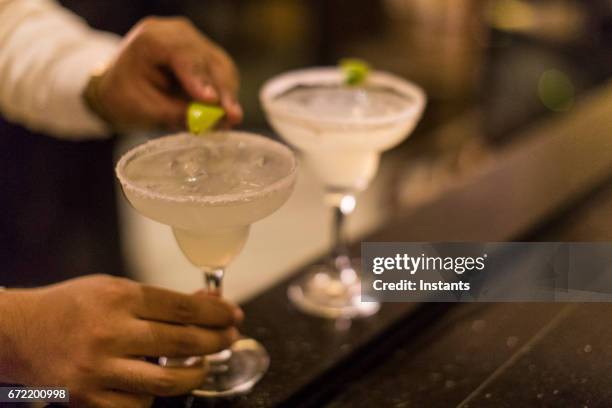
[341, 131]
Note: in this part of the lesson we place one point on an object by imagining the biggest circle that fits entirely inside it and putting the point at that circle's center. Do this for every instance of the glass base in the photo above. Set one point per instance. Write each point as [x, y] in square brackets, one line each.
[248, 362]
[324, 293]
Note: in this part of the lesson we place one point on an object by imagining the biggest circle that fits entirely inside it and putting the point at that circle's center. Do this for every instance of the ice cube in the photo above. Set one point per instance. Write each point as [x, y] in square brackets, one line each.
[192, 165]
[213, 152]
[193, 169]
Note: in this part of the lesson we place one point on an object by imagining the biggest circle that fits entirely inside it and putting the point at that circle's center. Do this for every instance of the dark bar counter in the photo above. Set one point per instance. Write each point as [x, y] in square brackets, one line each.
[448, 355]
[505, 354]
[440, 355]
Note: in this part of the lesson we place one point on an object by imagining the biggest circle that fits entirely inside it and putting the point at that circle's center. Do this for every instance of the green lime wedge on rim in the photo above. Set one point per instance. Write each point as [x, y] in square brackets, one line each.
[355, 70]
[202, 117]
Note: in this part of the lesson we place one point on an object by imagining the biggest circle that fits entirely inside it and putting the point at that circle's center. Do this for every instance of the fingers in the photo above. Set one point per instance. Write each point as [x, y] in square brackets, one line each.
[137, 376]
[198, 309]
[225, 75]
[161, 339]
[214, 80]
[169, 111]
[193, 77]
[157, 55]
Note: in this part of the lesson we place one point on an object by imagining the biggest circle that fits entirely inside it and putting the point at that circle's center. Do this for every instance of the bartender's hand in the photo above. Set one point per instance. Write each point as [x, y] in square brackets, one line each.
[90, 335]
[162, 65]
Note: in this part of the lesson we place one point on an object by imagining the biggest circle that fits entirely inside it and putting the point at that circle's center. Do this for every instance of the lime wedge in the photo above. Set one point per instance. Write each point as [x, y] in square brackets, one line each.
[355, 70]
[202, 117]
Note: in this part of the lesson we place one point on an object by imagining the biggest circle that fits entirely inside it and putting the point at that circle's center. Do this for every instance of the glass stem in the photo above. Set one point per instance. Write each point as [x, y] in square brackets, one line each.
[343, 205]
[213, 281]
[339, 248]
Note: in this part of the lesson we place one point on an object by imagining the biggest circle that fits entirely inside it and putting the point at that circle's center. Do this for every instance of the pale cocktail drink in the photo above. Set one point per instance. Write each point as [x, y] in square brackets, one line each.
[210, 189]
[341, 132]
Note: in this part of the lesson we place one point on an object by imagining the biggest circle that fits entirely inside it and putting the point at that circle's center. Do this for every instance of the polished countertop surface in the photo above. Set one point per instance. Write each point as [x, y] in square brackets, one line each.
[505, 354]
[440, 355]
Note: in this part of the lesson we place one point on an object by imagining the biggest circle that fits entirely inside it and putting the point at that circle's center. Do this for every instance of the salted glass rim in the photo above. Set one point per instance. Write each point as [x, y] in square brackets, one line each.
[186, 139]
[286, 81]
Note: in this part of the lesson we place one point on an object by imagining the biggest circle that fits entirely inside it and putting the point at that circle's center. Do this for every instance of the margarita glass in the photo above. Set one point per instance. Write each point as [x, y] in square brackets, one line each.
[209, 189]
[341, 131]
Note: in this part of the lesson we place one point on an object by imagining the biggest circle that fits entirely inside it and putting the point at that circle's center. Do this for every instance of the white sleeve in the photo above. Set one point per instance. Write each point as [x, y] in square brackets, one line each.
[46, 57]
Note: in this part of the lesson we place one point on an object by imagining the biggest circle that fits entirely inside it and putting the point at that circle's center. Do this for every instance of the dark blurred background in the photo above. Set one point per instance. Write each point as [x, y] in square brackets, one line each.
[515, 61]
[461, 51]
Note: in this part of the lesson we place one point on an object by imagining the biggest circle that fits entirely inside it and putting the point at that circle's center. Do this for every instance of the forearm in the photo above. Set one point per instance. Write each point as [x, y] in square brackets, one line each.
[13, 316]
[46, 57]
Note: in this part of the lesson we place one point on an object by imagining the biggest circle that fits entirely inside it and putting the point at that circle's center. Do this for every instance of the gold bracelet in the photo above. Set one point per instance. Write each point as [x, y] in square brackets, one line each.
[92, 99]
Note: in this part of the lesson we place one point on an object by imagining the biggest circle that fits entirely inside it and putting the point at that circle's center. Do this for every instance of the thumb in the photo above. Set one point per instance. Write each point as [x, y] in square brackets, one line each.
[166, 110]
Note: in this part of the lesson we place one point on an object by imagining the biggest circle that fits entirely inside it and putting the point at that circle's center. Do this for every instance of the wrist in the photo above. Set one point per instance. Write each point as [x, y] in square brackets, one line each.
[91, 96]
[14, 316]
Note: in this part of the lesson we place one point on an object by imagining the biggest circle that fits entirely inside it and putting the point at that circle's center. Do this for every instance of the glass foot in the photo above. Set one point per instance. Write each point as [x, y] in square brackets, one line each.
[332, 294]
[248, 362]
